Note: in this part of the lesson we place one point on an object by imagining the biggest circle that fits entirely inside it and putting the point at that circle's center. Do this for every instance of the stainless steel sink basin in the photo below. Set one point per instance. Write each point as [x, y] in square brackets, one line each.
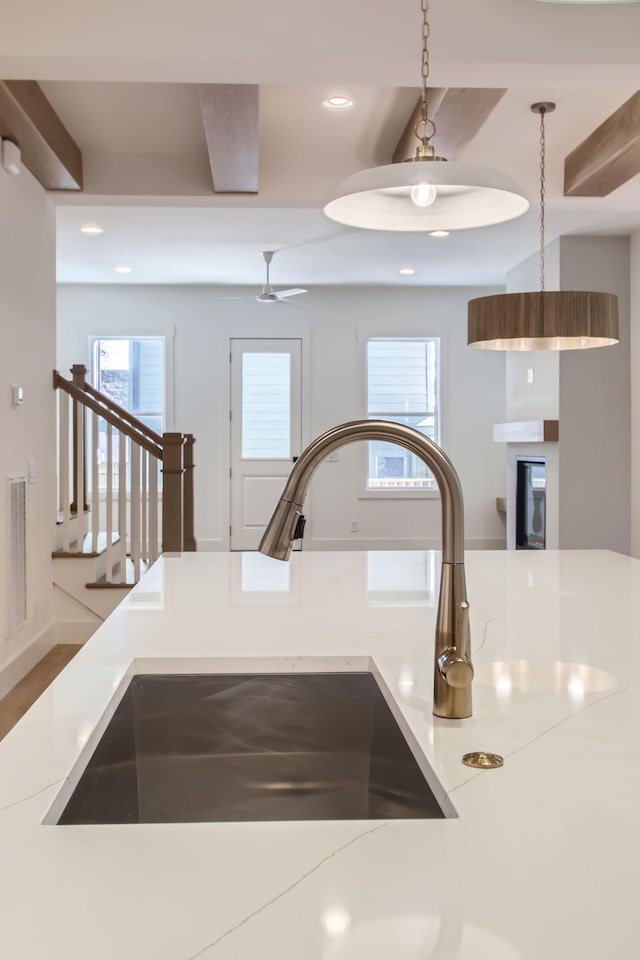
[231, 747]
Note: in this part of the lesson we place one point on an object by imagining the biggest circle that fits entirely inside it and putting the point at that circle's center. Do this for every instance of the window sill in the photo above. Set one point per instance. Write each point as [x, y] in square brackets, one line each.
[399, 495]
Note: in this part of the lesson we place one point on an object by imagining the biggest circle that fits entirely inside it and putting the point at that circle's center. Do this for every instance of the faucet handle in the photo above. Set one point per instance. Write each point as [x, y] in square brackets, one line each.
[455, 668]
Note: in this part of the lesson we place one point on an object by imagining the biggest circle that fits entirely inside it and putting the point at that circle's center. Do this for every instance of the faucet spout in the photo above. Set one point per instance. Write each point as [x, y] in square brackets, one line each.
[453, 671]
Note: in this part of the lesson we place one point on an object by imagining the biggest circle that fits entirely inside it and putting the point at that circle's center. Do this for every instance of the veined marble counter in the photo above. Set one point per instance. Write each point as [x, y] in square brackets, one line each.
[543, 862]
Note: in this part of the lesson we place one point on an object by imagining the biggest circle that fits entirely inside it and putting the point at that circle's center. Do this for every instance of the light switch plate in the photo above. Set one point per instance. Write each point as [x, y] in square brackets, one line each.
[17, 395]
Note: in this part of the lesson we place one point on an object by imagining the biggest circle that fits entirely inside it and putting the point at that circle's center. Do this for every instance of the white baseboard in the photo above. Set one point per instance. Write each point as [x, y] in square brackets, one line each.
[19, 667]
[495, 543]
[211, 546]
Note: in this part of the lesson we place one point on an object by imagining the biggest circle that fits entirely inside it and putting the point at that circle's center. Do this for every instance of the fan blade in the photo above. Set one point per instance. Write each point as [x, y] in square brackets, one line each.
[291, 303]
[234, 298]
[293, 292]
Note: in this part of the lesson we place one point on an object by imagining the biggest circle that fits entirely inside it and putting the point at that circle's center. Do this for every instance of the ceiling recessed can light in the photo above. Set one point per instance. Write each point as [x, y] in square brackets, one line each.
[439, 233]
[407, 271]
[339, 102]
[123, 268]
[91, 229]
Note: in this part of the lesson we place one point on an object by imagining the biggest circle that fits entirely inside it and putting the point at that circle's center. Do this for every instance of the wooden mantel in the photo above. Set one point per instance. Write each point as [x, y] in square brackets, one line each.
[527, 431]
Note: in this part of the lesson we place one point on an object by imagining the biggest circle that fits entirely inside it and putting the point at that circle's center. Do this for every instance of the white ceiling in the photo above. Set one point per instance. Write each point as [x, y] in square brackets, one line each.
[121, 77]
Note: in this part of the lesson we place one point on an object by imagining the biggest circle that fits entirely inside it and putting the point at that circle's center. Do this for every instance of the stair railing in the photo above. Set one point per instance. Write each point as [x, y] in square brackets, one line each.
[121, 479]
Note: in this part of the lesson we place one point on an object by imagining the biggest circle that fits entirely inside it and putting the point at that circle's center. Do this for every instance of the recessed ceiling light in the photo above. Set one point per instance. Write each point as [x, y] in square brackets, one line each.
[123, 268]
[339, 102]
[91, 229]
[439, 233]
[407, 271]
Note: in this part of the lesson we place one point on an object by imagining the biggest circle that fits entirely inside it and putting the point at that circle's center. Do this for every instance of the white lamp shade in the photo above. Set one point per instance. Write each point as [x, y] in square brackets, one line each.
[467, 196]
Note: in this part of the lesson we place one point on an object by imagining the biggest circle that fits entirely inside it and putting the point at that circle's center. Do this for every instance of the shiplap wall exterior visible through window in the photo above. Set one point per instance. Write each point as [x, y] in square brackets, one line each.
[266, 406]
[403, 386]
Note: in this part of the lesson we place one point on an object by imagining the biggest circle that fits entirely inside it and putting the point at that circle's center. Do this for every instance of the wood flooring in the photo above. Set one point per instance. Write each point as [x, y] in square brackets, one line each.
[24, 694]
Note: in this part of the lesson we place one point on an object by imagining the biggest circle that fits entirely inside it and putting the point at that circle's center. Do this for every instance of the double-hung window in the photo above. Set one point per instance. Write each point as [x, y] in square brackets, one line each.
[403, 386]
[131, 372]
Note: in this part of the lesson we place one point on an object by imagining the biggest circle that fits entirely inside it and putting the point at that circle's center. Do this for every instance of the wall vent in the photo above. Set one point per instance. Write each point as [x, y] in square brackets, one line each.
[17, 579]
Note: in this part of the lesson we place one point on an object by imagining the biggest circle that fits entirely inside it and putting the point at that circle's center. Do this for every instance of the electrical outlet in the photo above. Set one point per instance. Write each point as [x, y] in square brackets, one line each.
[530, 375]
[355, 526]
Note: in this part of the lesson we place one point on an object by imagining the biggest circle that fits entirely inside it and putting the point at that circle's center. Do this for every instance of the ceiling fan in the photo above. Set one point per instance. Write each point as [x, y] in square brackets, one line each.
[268, 294]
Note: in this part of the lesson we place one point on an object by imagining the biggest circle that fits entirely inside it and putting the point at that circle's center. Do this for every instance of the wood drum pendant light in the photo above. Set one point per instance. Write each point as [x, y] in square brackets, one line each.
[545, 319]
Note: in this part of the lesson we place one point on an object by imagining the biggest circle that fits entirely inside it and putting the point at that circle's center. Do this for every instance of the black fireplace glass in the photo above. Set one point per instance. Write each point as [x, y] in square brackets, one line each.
[531, 506]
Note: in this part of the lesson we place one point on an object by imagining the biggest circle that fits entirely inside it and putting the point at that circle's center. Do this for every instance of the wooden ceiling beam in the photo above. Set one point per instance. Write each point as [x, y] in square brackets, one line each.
[48, 150]
[608, 157]
[230, 116]
[459, 113]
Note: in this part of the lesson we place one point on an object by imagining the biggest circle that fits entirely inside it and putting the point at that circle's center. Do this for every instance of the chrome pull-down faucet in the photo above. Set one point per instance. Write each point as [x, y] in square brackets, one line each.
[453, 671]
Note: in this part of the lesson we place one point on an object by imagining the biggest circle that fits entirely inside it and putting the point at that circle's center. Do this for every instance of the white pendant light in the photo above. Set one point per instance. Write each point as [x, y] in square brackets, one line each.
[543, 319]
[426, 192]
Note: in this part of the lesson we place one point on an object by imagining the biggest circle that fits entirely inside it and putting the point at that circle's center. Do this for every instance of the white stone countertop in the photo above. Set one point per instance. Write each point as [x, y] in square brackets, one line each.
[542, 862]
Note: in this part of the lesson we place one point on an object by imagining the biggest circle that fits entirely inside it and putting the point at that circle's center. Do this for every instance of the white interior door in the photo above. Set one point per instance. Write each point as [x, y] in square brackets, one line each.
[265, 431]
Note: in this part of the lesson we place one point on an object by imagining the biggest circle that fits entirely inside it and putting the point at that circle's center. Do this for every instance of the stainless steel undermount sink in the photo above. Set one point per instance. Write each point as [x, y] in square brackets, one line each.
[251, 747]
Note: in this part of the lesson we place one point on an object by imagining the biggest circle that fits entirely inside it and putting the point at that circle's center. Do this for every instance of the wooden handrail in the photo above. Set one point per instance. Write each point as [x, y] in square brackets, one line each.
[173, 451]
[128, 429]
[79, 372]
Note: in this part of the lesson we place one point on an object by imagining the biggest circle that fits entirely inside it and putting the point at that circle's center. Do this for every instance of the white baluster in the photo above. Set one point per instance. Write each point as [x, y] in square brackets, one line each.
[135, 509]
[81, 496]
[154, 466]
[122, 504]
[94, 482]
[65, 496]
[144, 505]
[109, 504]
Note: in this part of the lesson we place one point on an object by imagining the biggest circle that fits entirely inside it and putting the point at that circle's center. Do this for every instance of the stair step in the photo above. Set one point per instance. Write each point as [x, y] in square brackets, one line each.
[60, 517]
[118, 582]
[89, 546]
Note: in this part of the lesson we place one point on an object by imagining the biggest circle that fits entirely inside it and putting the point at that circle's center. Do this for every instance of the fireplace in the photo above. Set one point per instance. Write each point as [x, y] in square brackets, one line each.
[531, 482]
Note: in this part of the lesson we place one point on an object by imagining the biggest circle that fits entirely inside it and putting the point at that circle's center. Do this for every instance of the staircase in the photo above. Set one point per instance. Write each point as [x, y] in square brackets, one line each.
[125, 495]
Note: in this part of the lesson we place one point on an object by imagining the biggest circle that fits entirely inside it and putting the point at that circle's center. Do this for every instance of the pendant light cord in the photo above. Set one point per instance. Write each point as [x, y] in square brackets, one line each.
[543, 147]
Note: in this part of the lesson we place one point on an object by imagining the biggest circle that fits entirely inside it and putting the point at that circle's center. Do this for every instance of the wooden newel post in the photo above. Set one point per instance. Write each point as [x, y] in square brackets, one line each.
[78, 373]
[188, 528]
[172, 510]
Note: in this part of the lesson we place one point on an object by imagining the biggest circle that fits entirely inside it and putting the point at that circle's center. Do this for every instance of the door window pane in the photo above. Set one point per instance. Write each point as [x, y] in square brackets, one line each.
[266, 406]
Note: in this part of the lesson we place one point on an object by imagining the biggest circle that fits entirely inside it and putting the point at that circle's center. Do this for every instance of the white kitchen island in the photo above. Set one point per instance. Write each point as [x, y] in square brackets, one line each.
[542, 862]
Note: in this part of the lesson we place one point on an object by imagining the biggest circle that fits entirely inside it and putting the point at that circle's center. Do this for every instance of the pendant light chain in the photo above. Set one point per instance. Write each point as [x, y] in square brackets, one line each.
[426, 33]
[543, 147]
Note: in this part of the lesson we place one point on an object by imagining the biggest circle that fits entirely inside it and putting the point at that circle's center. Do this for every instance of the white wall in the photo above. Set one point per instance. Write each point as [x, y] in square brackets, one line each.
[595, 407]
[333, 325]
[536, 400]
[27, 358]
[635, 392]
[589, 470]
